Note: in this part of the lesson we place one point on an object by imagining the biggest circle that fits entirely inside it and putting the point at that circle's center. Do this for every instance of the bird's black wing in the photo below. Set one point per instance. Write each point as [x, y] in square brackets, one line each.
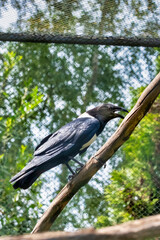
[68, 140]
[43, 140]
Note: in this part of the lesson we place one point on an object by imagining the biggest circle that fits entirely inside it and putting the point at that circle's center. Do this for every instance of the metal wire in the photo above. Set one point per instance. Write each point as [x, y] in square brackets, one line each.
[92, 40]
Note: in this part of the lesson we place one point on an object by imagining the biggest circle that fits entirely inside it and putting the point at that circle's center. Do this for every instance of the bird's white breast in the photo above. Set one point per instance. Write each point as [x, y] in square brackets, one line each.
[89, 143]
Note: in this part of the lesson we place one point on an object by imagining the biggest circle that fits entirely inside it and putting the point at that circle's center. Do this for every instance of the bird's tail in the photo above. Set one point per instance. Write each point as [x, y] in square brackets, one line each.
[24, 179]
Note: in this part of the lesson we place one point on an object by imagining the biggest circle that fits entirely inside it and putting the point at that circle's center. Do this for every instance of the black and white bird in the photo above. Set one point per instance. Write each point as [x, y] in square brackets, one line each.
[63, 145]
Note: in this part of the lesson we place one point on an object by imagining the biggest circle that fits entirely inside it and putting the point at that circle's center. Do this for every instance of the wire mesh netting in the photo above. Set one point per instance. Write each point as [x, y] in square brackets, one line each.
[44, 86]
[94, 22]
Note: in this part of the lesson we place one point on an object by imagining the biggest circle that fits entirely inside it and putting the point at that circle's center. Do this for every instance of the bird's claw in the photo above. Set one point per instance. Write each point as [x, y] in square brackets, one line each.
[70, 177]
[104, 165]
[79, 168]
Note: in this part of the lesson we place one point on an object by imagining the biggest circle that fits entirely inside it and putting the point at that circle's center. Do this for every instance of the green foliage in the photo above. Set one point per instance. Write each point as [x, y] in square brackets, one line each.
[134, 190]
[64, 73]
[158, 60]
[18, 210]
[128, 196]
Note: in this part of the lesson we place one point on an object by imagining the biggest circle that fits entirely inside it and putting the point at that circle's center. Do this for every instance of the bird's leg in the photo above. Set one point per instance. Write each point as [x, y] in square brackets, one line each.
[81, 165]
[73, 173]
[78, 162]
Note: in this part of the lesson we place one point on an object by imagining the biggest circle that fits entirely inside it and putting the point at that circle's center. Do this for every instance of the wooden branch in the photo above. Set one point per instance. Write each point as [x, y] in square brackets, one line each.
[148, 227]
[105, 152]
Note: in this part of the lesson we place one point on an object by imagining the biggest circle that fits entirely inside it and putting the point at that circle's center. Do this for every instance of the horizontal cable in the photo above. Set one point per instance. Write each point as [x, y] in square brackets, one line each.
[80, 39]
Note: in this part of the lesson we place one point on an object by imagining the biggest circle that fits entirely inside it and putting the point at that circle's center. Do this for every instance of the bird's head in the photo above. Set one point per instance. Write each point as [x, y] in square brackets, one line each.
[106, 112]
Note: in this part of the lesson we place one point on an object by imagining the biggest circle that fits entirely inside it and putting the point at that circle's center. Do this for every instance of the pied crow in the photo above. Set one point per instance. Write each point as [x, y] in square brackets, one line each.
[63, 145]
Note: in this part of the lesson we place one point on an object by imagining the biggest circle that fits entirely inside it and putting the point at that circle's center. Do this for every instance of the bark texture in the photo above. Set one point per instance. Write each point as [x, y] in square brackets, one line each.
[144, 228]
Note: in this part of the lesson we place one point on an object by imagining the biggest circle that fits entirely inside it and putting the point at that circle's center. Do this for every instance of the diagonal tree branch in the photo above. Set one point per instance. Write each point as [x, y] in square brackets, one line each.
[104, 153]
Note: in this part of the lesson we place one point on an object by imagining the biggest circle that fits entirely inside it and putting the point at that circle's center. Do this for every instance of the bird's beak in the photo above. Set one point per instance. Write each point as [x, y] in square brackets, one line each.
[116, 108]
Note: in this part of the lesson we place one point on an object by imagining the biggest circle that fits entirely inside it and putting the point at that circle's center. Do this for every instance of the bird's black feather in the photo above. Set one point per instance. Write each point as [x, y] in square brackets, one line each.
[43, 140]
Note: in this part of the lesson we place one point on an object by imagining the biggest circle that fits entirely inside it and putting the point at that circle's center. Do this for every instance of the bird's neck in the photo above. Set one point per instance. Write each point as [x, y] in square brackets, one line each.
[92, 114]
[103, 120]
